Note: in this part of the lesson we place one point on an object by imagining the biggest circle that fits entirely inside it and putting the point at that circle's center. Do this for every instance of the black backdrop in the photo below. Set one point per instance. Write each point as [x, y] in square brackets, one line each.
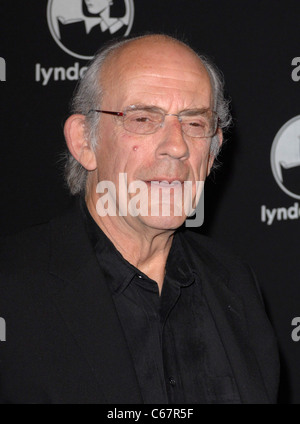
[256, 43]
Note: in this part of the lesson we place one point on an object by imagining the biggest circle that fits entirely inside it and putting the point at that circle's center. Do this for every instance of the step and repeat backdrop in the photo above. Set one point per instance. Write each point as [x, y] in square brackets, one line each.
[252, 202]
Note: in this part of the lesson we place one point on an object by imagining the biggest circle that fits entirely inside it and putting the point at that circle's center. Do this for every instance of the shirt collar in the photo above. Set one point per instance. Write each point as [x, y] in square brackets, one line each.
[178, 267]
[120, 272]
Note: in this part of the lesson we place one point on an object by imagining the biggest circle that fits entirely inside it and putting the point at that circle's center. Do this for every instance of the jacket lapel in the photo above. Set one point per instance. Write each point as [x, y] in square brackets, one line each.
[85, 303]
[230, 321]
[228, 313]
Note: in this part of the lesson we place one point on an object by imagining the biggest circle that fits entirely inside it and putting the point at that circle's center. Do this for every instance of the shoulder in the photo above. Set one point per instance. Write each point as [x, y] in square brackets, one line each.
[32, 254]
[32, 246]
[29, 250]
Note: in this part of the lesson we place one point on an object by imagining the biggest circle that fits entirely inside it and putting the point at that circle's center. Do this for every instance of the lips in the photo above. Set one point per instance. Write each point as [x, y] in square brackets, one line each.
[165, 180]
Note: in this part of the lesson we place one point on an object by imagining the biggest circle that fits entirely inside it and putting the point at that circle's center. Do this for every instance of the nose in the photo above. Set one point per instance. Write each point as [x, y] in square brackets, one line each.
[172, 142]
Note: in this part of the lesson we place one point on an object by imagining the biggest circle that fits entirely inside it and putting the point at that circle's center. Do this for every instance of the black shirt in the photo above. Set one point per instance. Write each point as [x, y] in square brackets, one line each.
[176, 350]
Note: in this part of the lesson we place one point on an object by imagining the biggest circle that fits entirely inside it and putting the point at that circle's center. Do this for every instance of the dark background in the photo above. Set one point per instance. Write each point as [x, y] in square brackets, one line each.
[253, 42]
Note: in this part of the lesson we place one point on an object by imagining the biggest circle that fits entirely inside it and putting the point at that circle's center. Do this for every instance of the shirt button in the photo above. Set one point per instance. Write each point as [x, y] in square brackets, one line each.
[172, 381]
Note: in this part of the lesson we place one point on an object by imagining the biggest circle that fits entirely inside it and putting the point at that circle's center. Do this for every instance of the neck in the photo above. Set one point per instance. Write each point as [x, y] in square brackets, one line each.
[145, 248]
[105, 14]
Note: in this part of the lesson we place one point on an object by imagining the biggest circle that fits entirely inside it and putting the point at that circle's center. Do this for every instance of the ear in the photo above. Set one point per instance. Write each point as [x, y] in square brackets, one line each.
[212, 155]
[77, 142]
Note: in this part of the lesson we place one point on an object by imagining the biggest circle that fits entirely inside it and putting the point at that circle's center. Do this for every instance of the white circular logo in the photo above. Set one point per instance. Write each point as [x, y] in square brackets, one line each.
[285, 157]
[80, 27]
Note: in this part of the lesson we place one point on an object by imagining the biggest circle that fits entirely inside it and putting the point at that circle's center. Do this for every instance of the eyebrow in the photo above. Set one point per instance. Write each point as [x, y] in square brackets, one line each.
[200, 111]
[195, 111]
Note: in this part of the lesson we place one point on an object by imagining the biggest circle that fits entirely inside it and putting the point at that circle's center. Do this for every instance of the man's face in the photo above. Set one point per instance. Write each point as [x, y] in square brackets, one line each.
[96, 6]
[169, 77]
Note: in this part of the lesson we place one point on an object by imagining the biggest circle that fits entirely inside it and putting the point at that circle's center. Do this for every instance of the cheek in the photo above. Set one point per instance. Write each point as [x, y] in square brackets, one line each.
[199, 159]
[112, 152]
[123, 157]
[136, 152]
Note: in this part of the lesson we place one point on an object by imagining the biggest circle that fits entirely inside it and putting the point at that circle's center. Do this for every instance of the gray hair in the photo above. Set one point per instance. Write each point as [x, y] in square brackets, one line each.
[89, 92]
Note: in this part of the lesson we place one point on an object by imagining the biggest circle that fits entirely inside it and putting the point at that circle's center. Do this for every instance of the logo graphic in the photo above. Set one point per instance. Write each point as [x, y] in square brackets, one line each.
[295, 333]
[296, 70]
[285, 157]
[80, 27]
[2, 69]
[2, 330]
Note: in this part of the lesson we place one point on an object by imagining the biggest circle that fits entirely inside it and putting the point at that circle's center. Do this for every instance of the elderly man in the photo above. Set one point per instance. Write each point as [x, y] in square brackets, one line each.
[104, 305]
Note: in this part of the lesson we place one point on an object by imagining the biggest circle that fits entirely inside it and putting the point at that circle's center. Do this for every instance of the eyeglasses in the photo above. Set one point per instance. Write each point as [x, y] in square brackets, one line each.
[197, 123]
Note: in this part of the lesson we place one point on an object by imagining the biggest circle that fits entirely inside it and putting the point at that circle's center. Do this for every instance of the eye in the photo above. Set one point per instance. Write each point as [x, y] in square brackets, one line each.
[141, 121]
[142, 118]
[195, 122]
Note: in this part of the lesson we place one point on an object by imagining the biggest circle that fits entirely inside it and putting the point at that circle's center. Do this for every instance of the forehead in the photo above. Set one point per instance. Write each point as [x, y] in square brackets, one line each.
[156, 72]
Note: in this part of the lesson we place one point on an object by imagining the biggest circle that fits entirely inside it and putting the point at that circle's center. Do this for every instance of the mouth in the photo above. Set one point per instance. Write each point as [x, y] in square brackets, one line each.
[164, 182]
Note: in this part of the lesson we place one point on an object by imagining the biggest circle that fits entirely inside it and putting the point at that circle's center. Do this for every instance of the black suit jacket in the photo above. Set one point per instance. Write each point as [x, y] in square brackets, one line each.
[64, 342]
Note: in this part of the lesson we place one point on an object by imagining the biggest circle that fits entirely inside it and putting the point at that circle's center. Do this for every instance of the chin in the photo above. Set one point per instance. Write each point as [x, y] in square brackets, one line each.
[163, 222]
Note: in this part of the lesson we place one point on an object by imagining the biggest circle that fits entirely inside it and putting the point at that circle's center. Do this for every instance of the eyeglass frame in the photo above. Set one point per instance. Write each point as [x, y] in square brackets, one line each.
[163, 114]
